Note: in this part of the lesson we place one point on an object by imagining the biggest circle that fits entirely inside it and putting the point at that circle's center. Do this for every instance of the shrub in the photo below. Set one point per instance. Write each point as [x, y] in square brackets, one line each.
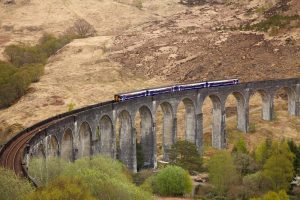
[81, 28]
[172, 181]
[106, 179]
[63, 188]
[20, 55]
[185, 154]
[138, 4]
[44, 171]
[13, 187]
[222, 172]
[26, 66]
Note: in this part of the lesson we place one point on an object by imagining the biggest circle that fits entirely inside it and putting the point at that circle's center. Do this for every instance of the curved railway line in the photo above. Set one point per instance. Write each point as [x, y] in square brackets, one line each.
[11, 154]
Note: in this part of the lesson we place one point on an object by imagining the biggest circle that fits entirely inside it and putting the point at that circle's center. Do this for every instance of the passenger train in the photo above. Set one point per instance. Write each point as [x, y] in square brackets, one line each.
[175, 88]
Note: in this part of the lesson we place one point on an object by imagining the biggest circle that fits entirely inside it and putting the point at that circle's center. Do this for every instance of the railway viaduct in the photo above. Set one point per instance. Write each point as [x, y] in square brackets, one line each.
[94, 129]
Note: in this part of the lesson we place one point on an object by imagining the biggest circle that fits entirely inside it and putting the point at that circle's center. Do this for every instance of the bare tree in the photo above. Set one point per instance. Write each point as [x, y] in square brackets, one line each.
[81, 28]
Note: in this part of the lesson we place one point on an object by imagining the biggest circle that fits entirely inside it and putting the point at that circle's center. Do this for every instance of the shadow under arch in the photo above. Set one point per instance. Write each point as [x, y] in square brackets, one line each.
[52, 149]
[147, 139]
[242, 116]
[288, 94]
[106, 136]
[168, 129]
[267, 111]
[67, 152]
[85, 138]
[218, 136]
[125, 139]
[189, 118]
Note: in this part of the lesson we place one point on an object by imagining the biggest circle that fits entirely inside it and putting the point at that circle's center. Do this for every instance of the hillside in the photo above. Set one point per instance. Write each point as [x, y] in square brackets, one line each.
[164, 42]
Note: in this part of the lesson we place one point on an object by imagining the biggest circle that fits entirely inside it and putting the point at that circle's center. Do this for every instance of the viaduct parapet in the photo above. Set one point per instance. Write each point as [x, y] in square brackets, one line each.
[94, 130]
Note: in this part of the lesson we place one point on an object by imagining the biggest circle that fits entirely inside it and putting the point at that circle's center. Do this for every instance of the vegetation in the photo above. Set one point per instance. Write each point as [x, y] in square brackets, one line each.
[222, 172]
[103, 177]
[273, 23]
[170, 181]
[12, 187]
[82, 29]
[281, 195]
[62, 188]
[26, 65]
[185, 154]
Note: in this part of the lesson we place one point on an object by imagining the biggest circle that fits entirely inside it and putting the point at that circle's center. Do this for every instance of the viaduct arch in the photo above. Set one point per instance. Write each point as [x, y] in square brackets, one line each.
[95, 130]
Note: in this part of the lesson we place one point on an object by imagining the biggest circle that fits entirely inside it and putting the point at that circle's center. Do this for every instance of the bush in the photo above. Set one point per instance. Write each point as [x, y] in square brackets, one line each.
[82, 29]
[185, 154]
[20, 55]
[26, 66]
[44, 171]
[13, 187]
[63, 188]
[106, 178]
[172, 181]
[222, 172]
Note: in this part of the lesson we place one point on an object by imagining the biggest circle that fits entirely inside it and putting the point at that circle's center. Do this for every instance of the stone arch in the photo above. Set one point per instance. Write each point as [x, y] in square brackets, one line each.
[147, 139]
[189, 120]
[52, 146]
[242, 111]
[85, 138]
[106, 136]
[218, 122]
[40, 150]
[126, 147]
[169, 128]
[267, 104]
[67, 146]
[291, 99]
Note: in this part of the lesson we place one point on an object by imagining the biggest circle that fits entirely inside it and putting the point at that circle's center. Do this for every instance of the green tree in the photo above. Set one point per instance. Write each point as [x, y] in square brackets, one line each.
[185, 154]
[12, 187]
[62, 188]
[281, 195]
[296, 151]
[263, 151]
[240, 147]
[279, 167]
[222, 172]
[172, 181]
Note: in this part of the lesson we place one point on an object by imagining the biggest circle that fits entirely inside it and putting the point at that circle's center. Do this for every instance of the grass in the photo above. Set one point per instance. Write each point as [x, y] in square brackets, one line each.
[274, 23]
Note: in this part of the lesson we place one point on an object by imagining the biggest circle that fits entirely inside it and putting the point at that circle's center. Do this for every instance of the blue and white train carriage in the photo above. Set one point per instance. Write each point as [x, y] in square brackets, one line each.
[175, 88]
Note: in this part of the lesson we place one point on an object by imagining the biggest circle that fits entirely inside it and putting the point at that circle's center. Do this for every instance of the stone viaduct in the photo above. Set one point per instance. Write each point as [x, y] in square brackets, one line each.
[96, 131]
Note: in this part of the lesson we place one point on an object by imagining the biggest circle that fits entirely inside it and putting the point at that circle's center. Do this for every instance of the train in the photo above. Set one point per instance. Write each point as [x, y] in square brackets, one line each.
[173, 88]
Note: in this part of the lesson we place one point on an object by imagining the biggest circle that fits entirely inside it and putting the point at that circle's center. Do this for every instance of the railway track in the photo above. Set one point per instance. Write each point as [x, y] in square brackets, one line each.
[11, 154]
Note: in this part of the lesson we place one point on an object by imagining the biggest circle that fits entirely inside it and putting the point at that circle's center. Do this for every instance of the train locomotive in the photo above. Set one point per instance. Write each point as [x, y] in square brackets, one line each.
[174, 88]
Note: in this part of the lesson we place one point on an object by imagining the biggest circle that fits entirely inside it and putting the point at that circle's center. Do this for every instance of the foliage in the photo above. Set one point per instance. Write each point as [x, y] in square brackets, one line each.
[140, 177]
[106, 179]
[240, 147]
[16, 84]
[256, 184]
[273, 22]
[281, 195]
[13, 187]
[62, 188]
[263, 151]
[26, 66]
[71, 106]
[185, 154]
[296, 151]
[279, 167]
[172, 181]
[244, 163]
[44, 171]
[82, 29]
[222, 172]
